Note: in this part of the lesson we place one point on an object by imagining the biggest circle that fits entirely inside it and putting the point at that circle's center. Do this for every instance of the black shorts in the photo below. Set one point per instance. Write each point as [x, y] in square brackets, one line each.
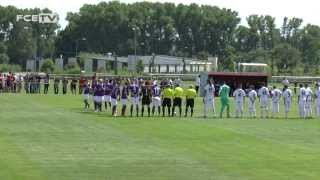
[146, 101]
[197, 88]
[166, 102]
[190, 103]
[177, 101]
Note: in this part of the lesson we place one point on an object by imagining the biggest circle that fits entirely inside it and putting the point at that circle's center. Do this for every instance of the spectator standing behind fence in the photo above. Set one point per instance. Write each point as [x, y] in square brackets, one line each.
[82, 82]
[64, 85]
[38, 83]
[198, 80]
[73, 86]
[46, 84]
[56, 85]
[1, 83]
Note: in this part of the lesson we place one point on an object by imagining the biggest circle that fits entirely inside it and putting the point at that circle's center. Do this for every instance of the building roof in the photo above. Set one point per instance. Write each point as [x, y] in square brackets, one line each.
[159, 60]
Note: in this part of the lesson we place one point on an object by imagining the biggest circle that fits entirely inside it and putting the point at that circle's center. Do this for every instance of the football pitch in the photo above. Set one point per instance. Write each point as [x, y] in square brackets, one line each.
[51, 137]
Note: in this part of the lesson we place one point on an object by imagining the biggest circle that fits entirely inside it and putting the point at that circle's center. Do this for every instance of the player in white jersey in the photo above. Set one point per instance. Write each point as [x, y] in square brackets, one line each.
[309, 101]
[239, 95]
[208, 99]
[287, 99]
[275, 98]
[264, 94]
[317, 96]
[252, 95]
[302, 98]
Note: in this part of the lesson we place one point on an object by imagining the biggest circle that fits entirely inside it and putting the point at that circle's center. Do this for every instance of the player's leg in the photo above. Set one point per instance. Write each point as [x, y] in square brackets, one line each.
[254, 111]
[213, 108]
[153, 106]
[318, 109]
[205, 105]
[310, 115]
[124, 107]
[237, 105]
[159, 106]
[273, 108]
[228, 109]
[106, 103]
[180, 106]
[169, 106]
[131, 109]
[223, 106]
[287, 109]
[114, 106]
[261, 110]
[149, 110]
[191, 107]
[142, 110]
[241, 110]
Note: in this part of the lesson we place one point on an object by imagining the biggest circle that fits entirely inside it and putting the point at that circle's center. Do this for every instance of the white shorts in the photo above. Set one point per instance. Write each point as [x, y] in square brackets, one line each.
[114, 102]
[156, 101]
[209, 102]
[135, 100]
[287, 106]
[275, 107]
[86, 96]
[107, 98]
[124, 101]
[308, 105]
[252, 106]
[239, 106]
[264, 103]
[302, 105]
[98, 99]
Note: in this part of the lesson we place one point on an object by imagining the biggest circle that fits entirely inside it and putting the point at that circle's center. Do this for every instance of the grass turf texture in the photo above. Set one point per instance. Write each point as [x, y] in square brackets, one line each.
[51, 137]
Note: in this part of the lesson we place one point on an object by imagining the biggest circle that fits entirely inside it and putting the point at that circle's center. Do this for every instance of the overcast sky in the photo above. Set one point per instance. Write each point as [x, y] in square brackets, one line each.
[308, 10]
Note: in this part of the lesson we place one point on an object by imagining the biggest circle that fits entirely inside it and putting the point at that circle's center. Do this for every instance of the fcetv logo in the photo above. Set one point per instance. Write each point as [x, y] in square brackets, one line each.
[42, 18]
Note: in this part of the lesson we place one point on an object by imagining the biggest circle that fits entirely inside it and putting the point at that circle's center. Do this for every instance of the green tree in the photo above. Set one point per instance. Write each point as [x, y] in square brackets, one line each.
[140, 66]
[48, 66]
[4, 59]
[286, 58]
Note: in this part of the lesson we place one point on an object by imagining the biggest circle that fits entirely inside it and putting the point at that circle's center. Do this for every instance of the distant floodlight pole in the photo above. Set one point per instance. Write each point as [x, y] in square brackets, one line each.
[77, 43]
[116, 63]
[135, 42]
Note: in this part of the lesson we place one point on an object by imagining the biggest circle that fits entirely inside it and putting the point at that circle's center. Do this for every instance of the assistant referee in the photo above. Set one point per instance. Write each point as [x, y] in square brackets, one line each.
[167, 98]
[191, 94]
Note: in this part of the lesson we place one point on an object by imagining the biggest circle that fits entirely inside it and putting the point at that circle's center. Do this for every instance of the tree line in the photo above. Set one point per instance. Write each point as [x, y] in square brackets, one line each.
[167, 29]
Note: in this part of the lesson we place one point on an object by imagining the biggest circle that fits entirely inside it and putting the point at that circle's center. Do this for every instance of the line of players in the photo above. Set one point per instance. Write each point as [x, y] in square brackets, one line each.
[156, 97]
[147, 95]
[306, 98]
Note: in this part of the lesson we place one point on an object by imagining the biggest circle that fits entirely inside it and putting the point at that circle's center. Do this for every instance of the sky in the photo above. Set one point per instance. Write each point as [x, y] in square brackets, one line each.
[308, 10]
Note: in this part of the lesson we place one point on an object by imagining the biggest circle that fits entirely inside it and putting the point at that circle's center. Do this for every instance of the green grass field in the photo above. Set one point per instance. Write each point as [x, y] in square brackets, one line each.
[51, 137]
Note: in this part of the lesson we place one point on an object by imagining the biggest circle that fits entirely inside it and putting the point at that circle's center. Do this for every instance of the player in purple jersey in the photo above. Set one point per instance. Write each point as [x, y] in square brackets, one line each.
[98, 96]
[135, 97]
[107, 93]
[156, 100]
[86, 95]
[115, 93]
[124, 98]
[146, 96]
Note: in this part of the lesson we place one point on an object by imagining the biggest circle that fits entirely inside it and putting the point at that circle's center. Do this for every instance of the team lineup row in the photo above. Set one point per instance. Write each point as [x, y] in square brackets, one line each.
[168, 96]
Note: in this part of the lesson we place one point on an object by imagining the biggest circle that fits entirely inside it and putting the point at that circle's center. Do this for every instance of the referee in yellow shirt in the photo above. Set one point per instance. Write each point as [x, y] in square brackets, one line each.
[191, 94]
[177, 101]
[167, 95]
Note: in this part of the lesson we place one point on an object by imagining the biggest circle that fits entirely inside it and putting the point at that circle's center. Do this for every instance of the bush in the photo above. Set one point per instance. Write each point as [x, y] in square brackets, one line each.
[140, 66]
[48, 66]
[72, 68]
[10, 68]
[4, 58]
